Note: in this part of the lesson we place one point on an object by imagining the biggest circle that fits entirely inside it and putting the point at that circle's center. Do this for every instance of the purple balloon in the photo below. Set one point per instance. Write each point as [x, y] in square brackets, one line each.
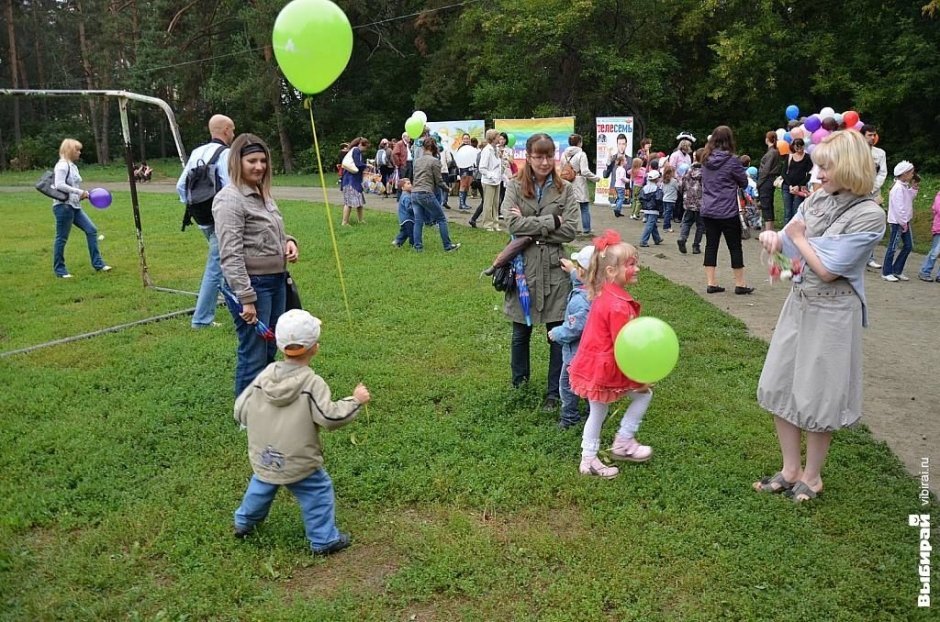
[99, 197]
[858, 125]
[813, 123]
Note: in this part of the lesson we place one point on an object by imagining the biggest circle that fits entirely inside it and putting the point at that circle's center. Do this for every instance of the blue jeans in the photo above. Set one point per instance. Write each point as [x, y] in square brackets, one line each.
[428, 211]
[621, 193]
[208, 298]
[791, 203]
[650, 228]
[405, 232]
[927, 268]
[667, 214]
[65, 217]
[254, 353]
[569, 400]
[895, 265]
[585, 217]
[314, 496]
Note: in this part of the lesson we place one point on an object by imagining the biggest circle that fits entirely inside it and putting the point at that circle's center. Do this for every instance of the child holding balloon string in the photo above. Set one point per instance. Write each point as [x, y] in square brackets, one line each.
[594, 373]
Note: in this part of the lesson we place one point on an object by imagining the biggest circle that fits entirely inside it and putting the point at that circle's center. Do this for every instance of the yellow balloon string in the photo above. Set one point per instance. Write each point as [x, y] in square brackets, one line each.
[329, 220]
[329, 214]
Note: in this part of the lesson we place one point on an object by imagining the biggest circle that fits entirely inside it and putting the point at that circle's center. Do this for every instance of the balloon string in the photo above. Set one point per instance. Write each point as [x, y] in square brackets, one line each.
[329, 214]
[329, 220]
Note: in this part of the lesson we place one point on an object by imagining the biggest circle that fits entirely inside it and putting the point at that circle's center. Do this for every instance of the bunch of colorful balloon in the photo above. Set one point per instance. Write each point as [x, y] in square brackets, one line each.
[814, 128]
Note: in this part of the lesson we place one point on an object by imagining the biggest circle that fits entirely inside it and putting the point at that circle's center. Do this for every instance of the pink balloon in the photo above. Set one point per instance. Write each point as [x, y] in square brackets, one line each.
[796, 133]
[819, 135]
[858, 126]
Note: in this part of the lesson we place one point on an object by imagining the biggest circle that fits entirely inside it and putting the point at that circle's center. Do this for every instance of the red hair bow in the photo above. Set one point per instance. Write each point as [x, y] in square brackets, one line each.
[607, 239]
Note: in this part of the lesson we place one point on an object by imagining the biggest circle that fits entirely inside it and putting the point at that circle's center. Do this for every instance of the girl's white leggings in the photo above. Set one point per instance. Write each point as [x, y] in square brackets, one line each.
[629, 424]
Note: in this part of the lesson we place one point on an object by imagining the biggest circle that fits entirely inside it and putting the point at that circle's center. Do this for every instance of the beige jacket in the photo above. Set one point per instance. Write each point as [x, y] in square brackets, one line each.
[284, 409]
[552, 222]
[251, 236]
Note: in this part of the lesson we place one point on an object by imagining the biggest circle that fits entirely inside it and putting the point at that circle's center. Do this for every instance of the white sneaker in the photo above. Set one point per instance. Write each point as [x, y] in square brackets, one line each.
[873, 264]
[66, 276]
[902, 277]
[105, 269]
[890, 277]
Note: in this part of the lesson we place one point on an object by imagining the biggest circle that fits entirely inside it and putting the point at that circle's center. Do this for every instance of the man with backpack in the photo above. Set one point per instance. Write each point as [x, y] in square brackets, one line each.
[205, 173]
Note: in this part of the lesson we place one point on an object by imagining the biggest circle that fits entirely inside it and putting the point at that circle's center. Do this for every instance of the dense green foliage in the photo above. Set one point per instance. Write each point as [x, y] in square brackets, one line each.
[688, 64]
[122, 465]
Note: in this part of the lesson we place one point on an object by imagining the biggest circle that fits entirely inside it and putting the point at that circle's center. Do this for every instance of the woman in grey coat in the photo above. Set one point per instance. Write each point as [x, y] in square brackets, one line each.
[541, 205]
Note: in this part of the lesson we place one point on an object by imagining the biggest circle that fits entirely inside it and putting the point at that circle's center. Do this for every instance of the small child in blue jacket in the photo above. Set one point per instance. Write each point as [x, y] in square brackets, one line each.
[568, 334]
[406, 216]
[651, 202]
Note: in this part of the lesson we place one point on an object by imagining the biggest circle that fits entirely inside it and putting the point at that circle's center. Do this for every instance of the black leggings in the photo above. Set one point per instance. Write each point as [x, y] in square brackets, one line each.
[731, 229]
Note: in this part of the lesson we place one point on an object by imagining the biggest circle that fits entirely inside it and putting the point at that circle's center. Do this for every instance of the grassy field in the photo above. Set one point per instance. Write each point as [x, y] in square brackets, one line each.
[122, 464]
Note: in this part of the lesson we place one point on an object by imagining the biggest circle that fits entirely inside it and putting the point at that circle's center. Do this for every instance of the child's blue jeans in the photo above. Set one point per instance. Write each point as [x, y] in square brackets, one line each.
[314, 496]
[405, 232]
[927, 268]
[894, 264]
[650, 228]
[621, 193]
[667, 214]
[569, 400]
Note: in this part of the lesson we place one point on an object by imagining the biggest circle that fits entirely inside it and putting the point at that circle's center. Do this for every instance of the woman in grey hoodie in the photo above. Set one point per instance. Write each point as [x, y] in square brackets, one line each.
[722, 176]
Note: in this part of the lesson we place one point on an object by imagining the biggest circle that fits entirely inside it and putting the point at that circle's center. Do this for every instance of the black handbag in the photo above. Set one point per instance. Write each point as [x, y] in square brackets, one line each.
[46, 185]
[293, 295]
[504, 278]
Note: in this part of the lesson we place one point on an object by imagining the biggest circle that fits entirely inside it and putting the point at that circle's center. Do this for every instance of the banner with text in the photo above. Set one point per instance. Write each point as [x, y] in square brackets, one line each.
[559, 128]
[614, 137]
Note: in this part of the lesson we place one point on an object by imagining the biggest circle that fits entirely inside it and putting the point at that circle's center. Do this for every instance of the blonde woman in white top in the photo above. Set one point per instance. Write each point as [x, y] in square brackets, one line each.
[68, 211]
[491, 176]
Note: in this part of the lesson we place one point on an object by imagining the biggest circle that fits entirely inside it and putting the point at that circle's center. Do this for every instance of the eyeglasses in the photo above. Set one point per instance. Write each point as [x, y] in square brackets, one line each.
[542, 158]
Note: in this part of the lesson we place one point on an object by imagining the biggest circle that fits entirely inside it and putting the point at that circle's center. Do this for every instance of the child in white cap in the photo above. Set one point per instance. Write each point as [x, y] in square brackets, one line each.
[900, 215]
[283, 410]
[568, 333]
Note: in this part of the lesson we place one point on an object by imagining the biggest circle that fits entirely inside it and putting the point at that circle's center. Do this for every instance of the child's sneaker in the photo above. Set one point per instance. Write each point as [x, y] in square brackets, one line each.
[593, 466]
[338, 545]
[629, 449]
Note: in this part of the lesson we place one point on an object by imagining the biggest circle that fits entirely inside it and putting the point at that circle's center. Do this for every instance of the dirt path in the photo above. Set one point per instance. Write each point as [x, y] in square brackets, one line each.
[902, 358]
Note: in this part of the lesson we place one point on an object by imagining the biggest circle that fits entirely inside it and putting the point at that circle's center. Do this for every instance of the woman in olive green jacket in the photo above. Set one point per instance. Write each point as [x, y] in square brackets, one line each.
[541, 205]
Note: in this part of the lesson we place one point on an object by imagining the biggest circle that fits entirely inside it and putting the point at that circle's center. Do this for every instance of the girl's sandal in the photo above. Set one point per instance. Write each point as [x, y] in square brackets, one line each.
[776, 484]
[801, 493]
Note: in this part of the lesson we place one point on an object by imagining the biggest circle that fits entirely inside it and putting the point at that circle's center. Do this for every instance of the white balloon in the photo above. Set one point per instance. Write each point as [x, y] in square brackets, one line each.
[780, 133]
[417, 114]
[838, 117]
[826, 113]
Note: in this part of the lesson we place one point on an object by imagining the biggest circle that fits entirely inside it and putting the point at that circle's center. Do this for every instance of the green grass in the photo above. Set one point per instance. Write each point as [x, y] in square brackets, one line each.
[164, 170]
[122, 465]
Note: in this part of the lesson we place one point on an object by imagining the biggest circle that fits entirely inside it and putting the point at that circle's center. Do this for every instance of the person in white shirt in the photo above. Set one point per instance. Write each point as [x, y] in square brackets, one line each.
[870, 132]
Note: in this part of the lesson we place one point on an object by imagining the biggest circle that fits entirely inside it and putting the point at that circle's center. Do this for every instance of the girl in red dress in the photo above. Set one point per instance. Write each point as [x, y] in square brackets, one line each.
[593, 373]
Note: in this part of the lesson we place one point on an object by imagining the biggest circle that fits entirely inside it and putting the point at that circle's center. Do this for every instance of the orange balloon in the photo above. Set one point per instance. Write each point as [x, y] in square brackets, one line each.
[783, 147]
[877, 137]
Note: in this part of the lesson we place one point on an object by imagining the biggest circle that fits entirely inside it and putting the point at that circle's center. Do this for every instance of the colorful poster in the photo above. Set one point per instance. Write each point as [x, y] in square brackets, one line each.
[559, 128]
[614, 137]
[451, 131]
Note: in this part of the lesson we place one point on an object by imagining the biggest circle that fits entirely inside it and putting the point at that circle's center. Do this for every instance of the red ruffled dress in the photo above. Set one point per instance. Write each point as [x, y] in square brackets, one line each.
[593, 373]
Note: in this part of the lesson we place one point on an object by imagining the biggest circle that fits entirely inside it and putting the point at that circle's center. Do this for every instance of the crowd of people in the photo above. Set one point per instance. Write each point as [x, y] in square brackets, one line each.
[832, 222]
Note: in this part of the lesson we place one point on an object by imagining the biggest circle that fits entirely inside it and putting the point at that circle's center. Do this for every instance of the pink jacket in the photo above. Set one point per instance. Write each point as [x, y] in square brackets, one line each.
[935, 229]
[901, 203]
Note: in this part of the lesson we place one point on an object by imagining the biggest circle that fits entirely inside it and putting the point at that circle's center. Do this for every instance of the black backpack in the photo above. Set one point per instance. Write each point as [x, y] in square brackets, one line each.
[202, 184]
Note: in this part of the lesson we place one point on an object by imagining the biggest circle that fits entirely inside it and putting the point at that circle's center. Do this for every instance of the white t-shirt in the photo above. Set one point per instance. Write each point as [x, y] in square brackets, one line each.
[621, 179]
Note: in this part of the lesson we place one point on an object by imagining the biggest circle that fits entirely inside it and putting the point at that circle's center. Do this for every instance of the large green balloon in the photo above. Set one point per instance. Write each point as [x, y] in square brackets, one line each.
[312, 42]
[414, 126]
[646, 350]
[510, 140]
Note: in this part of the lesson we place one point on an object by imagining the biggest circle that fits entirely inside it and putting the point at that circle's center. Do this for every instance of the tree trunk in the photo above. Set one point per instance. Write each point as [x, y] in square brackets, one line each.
[14, 68]
[91, 83]
[141, 136]
[287, 150]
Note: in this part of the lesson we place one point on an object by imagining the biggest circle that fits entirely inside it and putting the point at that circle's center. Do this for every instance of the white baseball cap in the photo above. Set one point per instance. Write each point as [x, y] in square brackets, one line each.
[583, 256]
[297, 331]
[653, 175]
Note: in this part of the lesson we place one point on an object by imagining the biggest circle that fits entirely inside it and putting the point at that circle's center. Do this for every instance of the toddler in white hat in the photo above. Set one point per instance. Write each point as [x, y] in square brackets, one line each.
[284, 409]
[900, 215]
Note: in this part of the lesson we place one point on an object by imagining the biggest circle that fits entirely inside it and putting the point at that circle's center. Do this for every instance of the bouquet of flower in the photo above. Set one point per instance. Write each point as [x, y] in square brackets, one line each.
[783, 268]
